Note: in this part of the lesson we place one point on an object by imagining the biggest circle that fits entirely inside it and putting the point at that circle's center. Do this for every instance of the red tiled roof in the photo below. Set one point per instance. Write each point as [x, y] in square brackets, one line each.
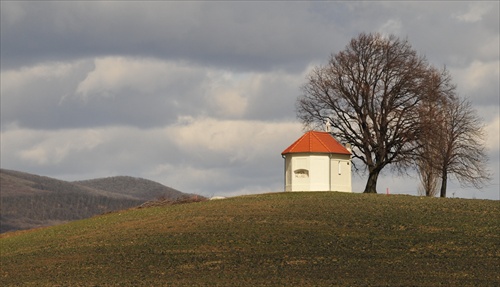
[320, 142]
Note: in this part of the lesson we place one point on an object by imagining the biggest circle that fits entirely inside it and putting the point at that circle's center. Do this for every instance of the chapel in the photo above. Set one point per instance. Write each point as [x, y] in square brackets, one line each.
[317, 162]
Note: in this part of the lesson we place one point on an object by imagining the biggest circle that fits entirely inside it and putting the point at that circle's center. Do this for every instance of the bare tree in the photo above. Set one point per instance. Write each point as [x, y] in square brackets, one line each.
[429, 180]
[440, 91]
[370, 93]
[455, 144]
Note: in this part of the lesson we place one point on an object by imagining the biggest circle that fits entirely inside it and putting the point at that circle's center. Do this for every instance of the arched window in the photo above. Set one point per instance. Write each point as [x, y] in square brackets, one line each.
[301, 173]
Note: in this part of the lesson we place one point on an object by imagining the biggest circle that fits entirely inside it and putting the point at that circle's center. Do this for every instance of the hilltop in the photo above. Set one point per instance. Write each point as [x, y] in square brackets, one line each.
[30, 200]
[282, 239]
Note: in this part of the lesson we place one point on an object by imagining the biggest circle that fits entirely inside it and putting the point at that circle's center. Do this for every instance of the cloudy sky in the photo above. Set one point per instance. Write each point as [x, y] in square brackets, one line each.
[200, 96]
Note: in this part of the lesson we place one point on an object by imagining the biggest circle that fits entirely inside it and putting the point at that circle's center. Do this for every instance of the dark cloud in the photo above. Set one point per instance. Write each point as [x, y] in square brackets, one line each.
[244, 35]
[239, 35]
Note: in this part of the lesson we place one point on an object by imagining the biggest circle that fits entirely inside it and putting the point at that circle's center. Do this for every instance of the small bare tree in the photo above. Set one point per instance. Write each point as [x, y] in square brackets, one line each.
[440, 90]
[455, 144]
[428, 175]
[371, 94]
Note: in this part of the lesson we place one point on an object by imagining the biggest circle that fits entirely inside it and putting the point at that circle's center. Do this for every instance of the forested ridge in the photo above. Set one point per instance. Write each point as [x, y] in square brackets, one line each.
[30, 201]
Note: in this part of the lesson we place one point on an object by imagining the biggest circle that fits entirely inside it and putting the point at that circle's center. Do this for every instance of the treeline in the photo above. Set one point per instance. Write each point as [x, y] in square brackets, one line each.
[53, 207]
[63, 206]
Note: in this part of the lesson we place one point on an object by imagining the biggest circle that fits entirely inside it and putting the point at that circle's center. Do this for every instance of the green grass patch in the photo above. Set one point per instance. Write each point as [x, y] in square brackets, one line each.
[282, 239]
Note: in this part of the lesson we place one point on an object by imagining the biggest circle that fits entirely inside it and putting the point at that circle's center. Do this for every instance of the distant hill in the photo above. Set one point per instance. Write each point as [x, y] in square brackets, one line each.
[138, 188]
[30, 201]
[281, 239]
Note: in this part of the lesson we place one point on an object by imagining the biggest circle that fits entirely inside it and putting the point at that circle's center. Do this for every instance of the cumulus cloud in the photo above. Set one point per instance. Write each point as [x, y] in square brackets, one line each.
[392, 26]
[492, 130]
[142, 92]
[475, 12]
[205, 155]
[478, 81]
[87, 152]
[121, 76]
[32, 96]
[50, 149]
[232, 140]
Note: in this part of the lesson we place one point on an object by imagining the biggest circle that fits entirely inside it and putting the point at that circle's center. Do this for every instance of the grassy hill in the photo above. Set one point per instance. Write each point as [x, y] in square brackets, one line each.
[29, 201]
[283, 239]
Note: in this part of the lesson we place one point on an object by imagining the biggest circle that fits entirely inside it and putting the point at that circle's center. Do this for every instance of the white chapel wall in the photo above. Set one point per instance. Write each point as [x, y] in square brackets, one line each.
[288, 173]
[300, 172]
[320, 171]
[341, 173]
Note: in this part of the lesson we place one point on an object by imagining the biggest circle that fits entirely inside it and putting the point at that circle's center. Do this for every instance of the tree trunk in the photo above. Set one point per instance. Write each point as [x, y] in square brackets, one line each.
[444, 179]
[371, 184]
